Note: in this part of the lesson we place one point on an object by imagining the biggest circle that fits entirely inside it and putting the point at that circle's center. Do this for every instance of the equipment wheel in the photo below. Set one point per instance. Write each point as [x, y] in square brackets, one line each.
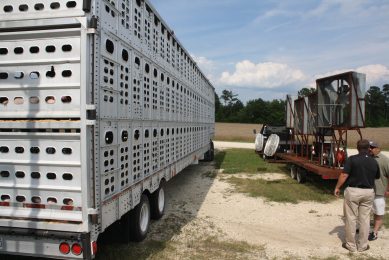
[293, 172]
[301, 175]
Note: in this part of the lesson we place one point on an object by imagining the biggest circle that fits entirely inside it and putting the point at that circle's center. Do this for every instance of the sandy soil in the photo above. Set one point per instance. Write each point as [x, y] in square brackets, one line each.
[204, 206]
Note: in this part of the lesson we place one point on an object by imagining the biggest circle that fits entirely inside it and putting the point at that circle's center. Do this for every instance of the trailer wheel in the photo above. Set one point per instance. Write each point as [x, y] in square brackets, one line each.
[293, 172]
[301, 175]
[140, 220]
[157, 202]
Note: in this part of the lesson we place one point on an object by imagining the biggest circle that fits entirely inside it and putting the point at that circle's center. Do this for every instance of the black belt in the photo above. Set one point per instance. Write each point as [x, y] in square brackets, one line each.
[360, 187]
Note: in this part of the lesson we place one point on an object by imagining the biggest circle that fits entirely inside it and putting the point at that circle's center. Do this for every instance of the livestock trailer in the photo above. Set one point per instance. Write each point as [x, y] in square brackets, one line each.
[100, 105]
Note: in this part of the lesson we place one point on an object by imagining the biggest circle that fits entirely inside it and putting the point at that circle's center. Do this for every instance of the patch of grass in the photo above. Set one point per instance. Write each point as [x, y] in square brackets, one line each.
[207, 248]
[244, 160]
[210, 174]
[285, 190]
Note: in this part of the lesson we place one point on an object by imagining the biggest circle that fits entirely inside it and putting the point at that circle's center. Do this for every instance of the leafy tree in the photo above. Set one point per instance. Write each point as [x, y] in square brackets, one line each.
[305, 91]
[375, 107]
[385, 90]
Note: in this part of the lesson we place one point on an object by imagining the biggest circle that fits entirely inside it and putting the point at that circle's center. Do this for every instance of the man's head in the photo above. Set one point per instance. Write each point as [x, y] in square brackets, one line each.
[363, 145]
[374, 148]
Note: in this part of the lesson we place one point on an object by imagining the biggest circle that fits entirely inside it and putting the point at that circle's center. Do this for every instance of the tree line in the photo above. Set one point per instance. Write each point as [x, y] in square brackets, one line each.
[228, 108]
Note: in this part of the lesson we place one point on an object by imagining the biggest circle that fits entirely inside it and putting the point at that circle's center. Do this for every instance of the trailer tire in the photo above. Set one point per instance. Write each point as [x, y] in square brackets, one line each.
[301, 175]
[293, 172]
[158, 201]
[140, 220]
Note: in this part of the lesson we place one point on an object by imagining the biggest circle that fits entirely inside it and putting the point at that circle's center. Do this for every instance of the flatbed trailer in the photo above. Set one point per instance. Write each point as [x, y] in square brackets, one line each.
[301, 166]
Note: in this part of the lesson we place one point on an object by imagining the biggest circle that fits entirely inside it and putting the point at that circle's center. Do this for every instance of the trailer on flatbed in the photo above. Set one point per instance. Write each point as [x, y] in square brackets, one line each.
[319, 124]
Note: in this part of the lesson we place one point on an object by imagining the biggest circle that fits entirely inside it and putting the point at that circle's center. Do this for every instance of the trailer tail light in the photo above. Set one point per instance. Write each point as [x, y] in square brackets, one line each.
[76, 249]
[64, 248]
[94, 247]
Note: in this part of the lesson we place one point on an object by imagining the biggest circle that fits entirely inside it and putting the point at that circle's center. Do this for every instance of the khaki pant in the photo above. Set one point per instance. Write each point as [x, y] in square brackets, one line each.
[357, 207]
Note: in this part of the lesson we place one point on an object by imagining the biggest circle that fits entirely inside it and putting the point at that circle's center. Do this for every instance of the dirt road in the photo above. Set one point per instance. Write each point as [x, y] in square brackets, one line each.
[199, 206]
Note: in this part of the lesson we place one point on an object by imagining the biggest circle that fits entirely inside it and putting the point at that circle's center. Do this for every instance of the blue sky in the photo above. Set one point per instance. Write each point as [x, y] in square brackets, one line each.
[267, 49]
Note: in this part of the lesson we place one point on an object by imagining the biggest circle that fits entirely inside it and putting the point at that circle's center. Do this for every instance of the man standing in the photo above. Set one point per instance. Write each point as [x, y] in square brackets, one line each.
[360, 172]
[381, 189]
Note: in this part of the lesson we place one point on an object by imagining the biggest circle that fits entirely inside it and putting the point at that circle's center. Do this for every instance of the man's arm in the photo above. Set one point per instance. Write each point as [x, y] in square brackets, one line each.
[387, 191]
[341, 180]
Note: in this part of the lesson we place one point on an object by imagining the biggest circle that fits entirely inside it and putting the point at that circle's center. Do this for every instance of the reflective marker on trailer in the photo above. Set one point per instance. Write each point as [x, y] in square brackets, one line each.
[64, 248]
[94, 247]
[76, 249]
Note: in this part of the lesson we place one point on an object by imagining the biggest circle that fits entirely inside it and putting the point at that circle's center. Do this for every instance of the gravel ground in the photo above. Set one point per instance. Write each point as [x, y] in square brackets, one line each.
[209, 206]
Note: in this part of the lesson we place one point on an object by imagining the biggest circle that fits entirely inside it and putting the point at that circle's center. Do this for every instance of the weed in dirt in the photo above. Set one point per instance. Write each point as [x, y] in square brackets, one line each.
[210, 174]
[285, 190]
[244, 160]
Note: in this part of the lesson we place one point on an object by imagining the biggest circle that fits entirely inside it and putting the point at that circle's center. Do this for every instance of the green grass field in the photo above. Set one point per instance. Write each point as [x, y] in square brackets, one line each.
[234, 161]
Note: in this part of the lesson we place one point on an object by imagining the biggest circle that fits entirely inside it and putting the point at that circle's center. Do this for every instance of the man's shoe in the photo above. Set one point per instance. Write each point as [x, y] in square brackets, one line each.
[344, 245]
[372, 236]
[367, 248]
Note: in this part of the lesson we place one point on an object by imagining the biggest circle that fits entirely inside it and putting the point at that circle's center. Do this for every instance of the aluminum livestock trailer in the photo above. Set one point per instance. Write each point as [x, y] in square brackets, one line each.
[100, 105]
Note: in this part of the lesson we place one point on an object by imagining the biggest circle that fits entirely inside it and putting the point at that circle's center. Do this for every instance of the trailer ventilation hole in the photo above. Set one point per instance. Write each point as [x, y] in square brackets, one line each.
[19, 149]
[109, 46]
[147, 68]
[20, 198]
[4, 174]
[138, 2]
[34, 100]
[67, 151]
[35, 175]
[67, 176]
[125, 55]
[66, 99]
[66, 48]
[8, 8]
[71, 4]
[5, 198]
[155, 133]
[155, 73]
[34, 150]
[108, 137]
[162, 132]
[55, 5]
[136, 134]
[51, 200]
[36, 200]
[20, 174]
[124, 136]
[34, 49]
[162, 77]
[137, 61]
[18, 101]
[51, 73]
[147, 133]
[4, 149]
[34, 75]
[106, 191]
[66, 73]
[50, 99]
[68, 201]
[51, 176]
[23, 8]
[3, 75]
[3, 51]
[50, 48]
[50, 150]
[39, 7]
[18, 75]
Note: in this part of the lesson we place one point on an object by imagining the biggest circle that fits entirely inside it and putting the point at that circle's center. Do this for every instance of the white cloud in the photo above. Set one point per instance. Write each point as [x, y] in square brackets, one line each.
[261, 75]
[208, 67]
[376, 74]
